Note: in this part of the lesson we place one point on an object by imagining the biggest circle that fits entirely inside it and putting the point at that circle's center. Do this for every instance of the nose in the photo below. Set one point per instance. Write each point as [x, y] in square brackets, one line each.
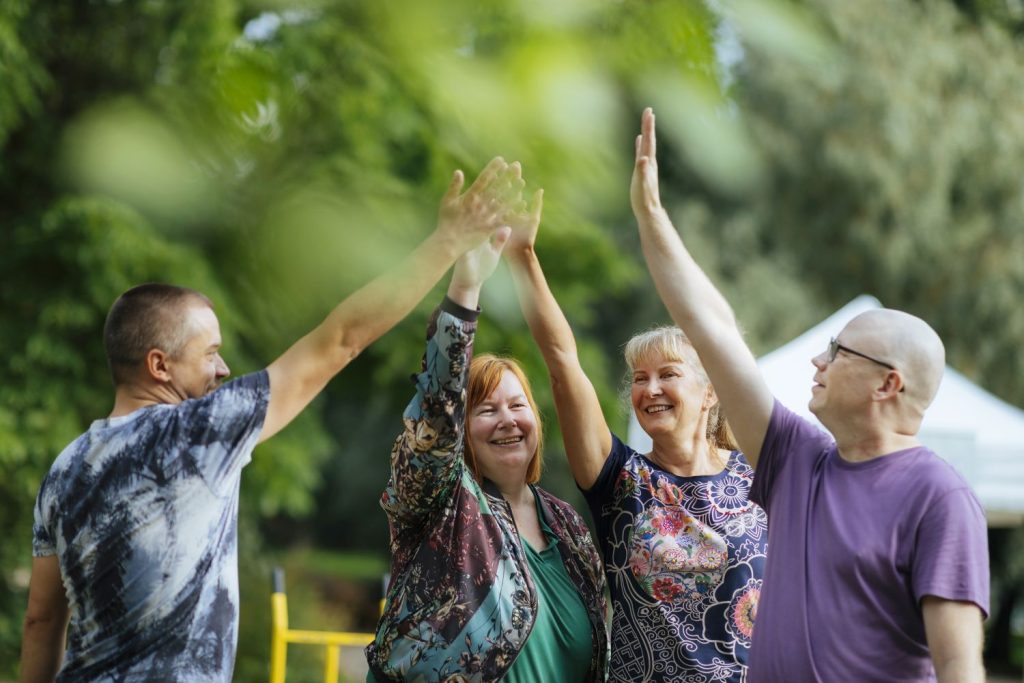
[222, 368]
[506, 420]
[820, 361]
[653, 387]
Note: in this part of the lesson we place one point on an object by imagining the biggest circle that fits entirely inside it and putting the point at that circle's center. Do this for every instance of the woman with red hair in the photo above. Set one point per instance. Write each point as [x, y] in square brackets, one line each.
[492, 577]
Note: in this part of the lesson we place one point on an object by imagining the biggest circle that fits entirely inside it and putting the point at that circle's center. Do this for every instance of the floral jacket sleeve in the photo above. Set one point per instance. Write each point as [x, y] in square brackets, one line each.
[426, 460]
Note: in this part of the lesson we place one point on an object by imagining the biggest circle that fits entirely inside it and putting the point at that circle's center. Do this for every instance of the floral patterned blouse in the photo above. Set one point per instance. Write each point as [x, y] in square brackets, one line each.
[684, 557]
[461, 602]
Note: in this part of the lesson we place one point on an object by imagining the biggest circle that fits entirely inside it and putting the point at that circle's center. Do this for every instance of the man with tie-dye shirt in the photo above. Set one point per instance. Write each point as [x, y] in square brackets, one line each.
[135, 535]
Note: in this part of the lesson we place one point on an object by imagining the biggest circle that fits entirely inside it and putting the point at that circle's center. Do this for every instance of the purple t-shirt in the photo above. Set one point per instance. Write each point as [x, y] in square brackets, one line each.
[854, 549]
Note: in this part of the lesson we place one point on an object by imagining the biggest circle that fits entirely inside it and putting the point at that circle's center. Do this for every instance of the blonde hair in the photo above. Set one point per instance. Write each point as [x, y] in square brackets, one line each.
[669, 342]
[485, 372]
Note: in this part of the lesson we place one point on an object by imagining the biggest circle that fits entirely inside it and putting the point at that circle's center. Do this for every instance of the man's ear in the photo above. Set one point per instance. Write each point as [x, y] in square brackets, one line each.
[156, 365]
[892, 385]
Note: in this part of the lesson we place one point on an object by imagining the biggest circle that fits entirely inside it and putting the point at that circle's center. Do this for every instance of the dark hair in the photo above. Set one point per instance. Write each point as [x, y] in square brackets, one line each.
[149, 316]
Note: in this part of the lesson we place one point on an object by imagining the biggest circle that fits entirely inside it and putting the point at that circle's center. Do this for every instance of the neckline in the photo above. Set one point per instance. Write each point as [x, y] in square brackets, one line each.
[545, 528]
[884, 460]
[726, 469]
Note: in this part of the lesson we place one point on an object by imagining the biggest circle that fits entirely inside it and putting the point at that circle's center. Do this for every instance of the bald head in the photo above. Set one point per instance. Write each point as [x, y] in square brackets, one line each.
[908, 343]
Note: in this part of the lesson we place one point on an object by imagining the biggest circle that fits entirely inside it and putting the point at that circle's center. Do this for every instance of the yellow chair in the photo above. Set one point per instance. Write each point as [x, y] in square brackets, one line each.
[281, 636]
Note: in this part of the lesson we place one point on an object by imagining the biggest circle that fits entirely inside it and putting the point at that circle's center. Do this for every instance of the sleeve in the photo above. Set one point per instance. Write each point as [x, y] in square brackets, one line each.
[787, 437]
[951, 552]
[604, 485]
[223, 427]
[426, 460]
[43, 542]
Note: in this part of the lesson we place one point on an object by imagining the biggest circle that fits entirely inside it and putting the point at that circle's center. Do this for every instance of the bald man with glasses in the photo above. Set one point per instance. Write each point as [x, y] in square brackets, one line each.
[877, 549]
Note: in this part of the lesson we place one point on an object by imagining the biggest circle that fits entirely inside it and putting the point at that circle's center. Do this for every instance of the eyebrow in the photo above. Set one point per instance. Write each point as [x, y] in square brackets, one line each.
[521, 397]
[673, 365]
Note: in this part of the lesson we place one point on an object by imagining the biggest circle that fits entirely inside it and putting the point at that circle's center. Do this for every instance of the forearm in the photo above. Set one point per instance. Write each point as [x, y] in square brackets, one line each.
[960, 670]
[426, 459]
[692, 300]
[377, 306]
[955, 638]
[584, 430]
[548, 324]
[42, 650]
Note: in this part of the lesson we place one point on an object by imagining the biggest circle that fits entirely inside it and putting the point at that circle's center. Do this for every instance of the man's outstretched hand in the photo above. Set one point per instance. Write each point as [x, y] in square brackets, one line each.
[468, 218]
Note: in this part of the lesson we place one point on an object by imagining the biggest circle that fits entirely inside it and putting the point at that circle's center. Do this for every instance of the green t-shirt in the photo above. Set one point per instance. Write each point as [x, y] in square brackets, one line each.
[559, 646]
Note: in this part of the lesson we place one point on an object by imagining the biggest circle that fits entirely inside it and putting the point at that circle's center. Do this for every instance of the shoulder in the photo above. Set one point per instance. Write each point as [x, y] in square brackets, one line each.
[932, 473]
[787, 424]
[240, 397]
[737, 463]
[252, 387]
[559, 506]
[621, 453]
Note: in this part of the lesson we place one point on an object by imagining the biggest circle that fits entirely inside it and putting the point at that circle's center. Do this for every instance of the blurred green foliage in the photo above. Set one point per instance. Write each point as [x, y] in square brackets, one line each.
[276, 155]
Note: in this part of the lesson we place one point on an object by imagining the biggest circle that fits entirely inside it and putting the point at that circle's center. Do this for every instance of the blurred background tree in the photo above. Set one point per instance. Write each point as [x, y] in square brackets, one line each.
[276, 155]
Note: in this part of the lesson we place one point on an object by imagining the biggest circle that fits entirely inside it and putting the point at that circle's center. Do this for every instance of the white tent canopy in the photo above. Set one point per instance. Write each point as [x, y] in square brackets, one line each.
[979, 434]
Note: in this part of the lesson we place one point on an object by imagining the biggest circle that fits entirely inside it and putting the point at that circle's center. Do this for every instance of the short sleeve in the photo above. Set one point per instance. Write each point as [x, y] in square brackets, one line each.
[42, 538]
[604, 485]
[223, 427]
[787, 433]
[951, 556]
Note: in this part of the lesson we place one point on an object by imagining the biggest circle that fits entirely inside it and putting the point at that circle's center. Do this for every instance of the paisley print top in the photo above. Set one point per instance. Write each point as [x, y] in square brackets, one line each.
[461, 602]
[142, 513]
[684, 557]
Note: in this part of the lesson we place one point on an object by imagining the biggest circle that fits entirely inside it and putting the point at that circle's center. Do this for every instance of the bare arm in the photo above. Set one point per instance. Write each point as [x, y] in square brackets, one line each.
[46, 623]
[303, 370]
[697, 306]
[584, 429]
[954, 634]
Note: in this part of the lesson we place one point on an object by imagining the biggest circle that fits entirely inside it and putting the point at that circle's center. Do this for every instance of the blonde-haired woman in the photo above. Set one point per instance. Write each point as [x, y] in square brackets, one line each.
[683, 548]
[493, 578]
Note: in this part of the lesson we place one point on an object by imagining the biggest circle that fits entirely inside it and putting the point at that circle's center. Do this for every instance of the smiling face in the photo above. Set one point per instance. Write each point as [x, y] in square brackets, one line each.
[503, 432]
[669, 396]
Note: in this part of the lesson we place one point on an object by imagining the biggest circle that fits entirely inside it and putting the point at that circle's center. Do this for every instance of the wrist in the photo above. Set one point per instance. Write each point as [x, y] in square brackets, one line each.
[520, 253]
[447, 242]
[464, 294]
[650, 216]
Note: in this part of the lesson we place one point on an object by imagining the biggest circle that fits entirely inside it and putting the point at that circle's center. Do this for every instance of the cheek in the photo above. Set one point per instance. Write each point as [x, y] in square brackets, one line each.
[636, 392]
[479, 428]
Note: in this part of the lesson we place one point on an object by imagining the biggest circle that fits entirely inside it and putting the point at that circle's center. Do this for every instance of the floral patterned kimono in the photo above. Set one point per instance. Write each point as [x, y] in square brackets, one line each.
[461, 602]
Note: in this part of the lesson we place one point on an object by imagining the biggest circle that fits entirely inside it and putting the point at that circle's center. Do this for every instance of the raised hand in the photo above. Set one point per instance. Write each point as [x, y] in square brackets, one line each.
[467, 218]
[643, 188]
[525, 224]
[475, 266]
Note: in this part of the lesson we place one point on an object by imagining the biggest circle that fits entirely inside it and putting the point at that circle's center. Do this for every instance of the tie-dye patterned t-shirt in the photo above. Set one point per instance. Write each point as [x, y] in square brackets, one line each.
[142, 512]
[684, 557]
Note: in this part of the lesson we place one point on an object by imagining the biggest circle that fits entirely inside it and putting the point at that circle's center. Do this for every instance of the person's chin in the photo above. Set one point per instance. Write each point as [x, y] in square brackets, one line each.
[814, 405]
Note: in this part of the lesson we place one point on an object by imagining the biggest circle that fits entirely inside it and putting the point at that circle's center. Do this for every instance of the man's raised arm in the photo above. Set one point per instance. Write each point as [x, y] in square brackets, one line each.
[697, 306]
[464, 221]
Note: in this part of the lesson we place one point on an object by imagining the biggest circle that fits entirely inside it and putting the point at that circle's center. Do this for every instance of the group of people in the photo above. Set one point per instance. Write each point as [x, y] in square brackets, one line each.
[757, 548]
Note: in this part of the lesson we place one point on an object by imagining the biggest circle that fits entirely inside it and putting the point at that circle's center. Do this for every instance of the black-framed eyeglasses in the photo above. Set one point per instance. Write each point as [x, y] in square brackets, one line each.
[835, 347]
